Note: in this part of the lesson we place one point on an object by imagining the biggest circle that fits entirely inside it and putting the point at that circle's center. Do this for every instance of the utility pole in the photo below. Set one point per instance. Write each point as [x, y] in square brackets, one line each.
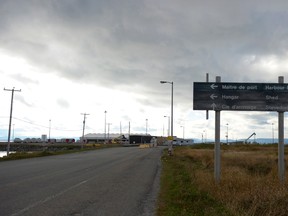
[183, 128]
[105, 112]
[49, 128]
[129, 132]
[281, 150]
[85, 114]
[10, 119]
[168, 133]
[13, 132]
[109, 130]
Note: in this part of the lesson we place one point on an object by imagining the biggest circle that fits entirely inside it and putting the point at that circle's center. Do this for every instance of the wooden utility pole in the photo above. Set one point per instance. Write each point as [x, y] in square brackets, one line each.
[85, 114]
[10, 119]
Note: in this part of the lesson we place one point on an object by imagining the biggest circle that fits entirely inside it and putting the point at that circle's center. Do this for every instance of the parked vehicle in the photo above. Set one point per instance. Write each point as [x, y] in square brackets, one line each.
[51, 140]
[27, 140]
[18, 140]
[63, 140]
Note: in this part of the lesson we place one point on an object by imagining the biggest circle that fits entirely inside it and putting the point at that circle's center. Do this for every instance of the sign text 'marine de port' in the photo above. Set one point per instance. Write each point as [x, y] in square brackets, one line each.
[240, 96]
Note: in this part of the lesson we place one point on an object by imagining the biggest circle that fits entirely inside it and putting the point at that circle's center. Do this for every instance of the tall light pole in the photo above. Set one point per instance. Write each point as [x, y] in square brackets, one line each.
[146, 126]
[129, 132]
[105, 112]
[163, 82]
[13, 132]
[49, 128]
[202, 137]
[108, 129]
[170, 144]
[10, 119]
[168, 131]
[183, 131]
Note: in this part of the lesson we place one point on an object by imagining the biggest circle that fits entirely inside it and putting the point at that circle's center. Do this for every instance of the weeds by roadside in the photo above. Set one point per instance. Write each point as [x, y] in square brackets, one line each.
[249, 182]
[54, 150]
[179, 193]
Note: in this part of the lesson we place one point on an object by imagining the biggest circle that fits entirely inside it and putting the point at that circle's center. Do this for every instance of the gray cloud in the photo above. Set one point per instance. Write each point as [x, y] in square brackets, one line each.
[63, 103]
[132, 45]
[24, 79]
[112, 38]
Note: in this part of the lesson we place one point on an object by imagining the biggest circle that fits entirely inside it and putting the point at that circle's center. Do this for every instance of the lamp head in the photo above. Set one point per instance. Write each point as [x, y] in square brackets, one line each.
[162, 82]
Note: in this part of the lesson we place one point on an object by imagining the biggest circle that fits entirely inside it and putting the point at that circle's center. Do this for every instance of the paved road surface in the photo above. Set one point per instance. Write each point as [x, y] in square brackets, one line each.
[116, 181]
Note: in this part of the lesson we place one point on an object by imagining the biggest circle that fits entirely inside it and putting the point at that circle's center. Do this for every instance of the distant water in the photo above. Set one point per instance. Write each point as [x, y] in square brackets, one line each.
[3, 153]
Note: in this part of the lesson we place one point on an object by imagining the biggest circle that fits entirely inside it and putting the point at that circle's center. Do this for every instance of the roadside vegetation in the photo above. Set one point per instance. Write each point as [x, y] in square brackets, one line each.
[55, 150]
[249, 182]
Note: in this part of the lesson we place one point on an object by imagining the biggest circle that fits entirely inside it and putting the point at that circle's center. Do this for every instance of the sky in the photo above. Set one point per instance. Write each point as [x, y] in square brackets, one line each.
[72, 57]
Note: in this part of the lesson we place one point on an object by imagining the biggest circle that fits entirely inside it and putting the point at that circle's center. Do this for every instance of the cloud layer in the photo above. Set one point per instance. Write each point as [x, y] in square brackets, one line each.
[129, 46]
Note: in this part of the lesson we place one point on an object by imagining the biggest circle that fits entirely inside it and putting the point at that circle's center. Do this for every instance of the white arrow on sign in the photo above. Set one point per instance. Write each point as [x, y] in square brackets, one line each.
[213, 86]
[213, 96]
[213, 106]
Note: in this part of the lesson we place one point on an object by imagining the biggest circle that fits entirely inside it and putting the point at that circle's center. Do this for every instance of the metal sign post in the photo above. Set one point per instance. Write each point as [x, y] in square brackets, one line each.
[207, 111]
[281, 164]
[217, 151]
[220, 96]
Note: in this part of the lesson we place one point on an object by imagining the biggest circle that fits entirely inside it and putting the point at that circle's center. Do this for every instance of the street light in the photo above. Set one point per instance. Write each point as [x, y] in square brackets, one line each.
[146, 125]
[49, 128]
[168, 125]
[163, 82]
[183, 131]
[105, 112]
[170, 148]
[13, 132]
[202, 137]
[109, 130]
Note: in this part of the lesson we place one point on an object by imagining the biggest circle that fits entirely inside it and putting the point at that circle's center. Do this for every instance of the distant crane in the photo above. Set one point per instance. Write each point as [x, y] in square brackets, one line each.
[253, 134]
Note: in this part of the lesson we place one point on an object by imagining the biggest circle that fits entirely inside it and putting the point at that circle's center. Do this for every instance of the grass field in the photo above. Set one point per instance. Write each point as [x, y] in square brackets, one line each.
[249, 182]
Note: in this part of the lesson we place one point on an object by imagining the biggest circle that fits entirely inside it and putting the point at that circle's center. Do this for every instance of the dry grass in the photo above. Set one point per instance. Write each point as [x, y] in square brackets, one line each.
[249, 179]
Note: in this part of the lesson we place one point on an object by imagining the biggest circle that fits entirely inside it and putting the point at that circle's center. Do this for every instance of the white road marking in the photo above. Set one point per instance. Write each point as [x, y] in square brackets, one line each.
[48, 199]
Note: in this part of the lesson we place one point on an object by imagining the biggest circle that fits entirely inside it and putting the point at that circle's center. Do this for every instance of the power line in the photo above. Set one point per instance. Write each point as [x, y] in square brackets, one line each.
[54, 128]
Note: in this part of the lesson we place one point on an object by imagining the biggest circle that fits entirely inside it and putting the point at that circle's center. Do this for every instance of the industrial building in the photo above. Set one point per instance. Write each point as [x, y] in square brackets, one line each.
[117, 138]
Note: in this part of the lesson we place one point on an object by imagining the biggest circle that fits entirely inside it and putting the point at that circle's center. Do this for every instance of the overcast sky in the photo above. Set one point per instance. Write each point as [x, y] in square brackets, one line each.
[86, 56]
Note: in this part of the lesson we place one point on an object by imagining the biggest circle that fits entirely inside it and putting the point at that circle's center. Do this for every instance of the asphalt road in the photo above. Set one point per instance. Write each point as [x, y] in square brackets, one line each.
[116, 181]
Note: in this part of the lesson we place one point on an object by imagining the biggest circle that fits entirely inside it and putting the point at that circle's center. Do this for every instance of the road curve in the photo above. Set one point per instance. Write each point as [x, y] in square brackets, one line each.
[115, 181]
